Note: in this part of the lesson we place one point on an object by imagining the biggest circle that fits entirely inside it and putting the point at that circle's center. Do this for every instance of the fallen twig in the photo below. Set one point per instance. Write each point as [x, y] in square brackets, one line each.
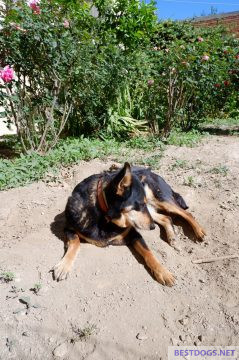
[202, 261]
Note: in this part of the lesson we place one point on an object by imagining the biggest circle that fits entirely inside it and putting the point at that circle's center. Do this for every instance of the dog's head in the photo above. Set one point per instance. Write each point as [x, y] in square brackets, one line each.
[127, 201]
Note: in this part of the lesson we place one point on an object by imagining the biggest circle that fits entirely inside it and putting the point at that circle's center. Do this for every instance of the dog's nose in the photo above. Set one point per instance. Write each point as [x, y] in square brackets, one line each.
[152, 226]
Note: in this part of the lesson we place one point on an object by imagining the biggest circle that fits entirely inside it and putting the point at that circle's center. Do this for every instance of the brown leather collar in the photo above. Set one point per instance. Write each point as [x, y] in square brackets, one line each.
[101, 196]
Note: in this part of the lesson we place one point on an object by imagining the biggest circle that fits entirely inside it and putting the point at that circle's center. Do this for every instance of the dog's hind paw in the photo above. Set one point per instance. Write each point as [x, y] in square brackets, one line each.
[61, 270]
[163, 276]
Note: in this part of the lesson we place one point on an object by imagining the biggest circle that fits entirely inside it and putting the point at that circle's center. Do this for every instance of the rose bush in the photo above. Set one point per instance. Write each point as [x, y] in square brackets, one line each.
[66, 72]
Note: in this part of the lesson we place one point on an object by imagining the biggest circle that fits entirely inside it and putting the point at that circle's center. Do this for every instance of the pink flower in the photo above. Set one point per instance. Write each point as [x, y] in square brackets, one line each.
[7, 74]
[200, 39]
[217, 85]
[237, 57]
[150, 82]
[205, 58]
[33, 4]
[66, 24]
[226, 83]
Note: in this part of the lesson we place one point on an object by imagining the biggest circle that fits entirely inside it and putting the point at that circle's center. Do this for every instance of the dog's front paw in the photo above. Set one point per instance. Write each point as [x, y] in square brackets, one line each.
[61, 270]
[163, 276]
[200, 233]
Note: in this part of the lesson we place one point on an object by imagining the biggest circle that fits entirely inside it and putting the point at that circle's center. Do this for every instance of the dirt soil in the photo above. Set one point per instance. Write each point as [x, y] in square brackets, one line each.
[110, 307]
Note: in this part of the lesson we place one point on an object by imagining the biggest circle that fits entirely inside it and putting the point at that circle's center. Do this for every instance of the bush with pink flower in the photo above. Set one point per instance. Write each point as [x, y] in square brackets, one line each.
[7, 74]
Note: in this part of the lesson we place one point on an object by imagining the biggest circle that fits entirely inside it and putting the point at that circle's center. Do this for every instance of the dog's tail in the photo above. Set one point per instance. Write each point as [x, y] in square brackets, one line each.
[180, 201]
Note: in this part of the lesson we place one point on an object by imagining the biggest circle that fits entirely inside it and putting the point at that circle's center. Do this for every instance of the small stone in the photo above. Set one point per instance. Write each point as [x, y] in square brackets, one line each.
[25, 333]
[19, 311]
[141, 336]
[181, 337]
[60, 350]
[10, 344]
[25, 300]
[183, 321]
[200, 337]
[174, 342]
[202, 281]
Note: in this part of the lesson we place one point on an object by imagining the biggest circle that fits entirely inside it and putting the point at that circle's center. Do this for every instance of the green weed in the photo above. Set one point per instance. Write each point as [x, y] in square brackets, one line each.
[221, 169]
[189, 181]
[150, 161]
[179, 164]
[7, 276]
[83, 334]
[36, 288]
[34, 167]
[190, 138]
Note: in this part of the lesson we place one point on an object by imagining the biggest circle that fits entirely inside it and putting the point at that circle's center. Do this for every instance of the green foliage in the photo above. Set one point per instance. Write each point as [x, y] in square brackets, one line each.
[33, 166]
[70, 67]
[7, 276]
[188, 138]
[190, 181]
[36, 288]
[179, 163]
[114, 75]
[221, 170]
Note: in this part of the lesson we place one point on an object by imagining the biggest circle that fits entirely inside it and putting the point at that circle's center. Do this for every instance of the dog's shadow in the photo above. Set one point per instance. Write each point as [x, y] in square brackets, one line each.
[58, 226]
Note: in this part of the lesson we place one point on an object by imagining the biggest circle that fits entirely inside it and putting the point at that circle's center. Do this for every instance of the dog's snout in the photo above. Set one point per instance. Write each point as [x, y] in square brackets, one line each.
[152, 226]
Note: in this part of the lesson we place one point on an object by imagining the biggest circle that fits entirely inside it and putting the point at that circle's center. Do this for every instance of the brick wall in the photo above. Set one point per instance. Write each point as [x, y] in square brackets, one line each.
[229, 20]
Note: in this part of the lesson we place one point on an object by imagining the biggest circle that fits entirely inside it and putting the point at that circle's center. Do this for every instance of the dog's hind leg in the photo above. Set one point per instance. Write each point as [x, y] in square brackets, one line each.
[174, 209]
[62, 269]
[166, 222]
[161, 274]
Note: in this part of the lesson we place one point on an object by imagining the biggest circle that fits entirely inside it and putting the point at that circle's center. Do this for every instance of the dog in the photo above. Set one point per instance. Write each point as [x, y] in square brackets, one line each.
[108, 209]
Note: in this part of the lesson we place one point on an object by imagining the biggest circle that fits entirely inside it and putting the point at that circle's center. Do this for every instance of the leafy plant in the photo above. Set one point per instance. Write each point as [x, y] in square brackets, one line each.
[36, 288]
[7, 276]
[190, 181]
[221, 169]
[179, 164]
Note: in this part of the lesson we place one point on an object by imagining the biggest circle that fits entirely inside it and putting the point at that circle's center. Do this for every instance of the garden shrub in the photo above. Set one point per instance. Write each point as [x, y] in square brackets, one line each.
[66, 72]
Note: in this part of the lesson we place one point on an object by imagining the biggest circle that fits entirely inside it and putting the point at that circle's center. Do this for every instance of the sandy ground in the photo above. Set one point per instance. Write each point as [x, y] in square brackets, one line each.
[110, 307]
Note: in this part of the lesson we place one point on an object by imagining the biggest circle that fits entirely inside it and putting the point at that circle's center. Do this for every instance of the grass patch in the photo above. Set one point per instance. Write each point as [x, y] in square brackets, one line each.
[7, 276]
[189, 138]
[223, 122]
[221, 170]
[83, 334]
[36, 288]
[25, 169]
[33, 167]
[190, 181]
[179, 164]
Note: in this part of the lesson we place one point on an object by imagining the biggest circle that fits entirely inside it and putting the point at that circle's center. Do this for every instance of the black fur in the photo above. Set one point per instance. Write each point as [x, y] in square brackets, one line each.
[83, 212]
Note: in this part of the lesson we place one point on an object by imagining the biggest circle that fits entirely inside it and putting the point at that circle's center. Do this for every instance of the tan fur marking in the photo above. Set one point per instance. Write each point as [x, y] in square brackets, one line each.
[174, 209]
[125, 182]
[166, 222]
[62, 269]
[162, 275]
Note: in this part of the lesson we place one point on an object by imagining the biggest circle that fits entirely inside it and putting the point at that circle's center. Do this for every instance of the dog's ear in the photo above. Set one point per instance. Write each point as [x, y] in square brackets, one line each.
[125, 179]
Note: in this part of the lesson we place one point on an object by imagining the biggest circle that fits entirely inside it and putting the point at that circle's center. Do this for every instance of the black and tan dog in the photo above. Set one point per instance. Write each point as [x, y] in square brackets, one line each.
[106, 209]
